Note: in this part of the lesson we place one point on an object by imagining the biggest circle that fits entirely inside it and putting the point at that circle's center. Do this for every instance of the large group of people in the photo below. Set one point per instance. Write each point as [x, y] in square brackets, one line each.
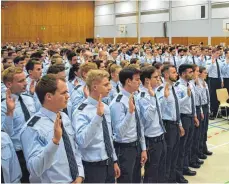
[106, 113]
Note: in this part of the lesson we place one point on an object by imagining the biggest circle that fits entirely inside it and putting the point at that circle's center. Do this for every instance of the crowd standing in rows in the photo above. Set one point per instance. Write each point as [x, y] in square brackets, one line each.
[104, 113]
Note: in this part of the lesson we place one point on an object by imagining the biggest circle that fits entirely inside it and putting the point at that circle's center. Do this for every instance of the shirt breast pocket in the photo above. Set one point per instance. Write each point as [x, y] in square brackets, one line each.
[6, 152]
[31, 108]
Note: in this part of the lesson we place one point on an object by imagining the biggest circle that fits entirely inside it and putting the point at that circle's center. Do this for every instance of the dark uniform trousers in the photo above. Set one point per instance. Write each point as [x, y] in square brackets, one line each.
[99, 172]
[172, 139]
[204, 130]
[214, 84]
[185, 145]
[128, 157]
[196, 137]
[155, 167]
[24, 170]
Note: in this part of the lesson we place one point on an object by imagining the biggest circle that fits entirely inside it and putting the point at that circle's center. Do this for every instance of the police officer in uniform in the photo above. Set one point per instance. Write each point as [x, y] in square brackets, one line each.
[128, 131]
[92, 123]
[171, 117]
[51, 151]
[153, 126]
[188, 118]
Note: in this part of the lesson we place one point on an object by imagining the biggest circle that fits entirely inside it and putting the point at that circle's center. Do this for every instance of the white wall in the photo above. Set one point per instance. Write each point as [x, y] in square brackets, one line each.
[186, 18]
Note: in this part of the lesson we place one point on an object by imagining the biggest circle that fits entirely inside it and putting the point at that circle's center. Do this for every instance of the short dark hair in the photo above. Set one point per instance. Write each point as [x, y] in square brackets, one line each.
[10, 53]
[133, 61]
[47, 84]
[201, 69]
[18, 59]
[73, 69]
[30, 64]
[55, 69]
[180, 50]
[128, 73]
[166, 68]
[98, 63]
[171, 49]
[70, 55]
[146, 72]
[36, 55]
[183, 68]
[6, 59]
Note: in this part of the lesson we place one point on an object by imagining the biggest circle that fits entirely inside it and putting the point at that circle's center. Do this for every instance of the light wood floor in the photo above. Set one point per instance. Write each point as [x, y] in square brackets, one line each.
[216, 167]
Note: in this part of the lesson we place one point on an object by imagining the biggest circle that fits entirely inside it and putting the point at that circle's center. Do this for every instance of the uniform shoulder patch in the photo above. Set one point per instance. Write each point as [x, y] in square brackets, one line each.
[177, 83]
[33, 121]
[160, 88]
[143, 94]
[2, 99]
[77, 87]
[82, 106]
[119, 97]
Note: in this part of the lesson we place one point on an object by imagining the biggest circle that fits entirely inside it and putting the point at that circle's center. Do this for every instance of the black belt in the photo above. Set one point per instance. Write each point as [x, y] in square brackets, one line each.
[205, 105]
[103, 162]
[171, 122]
[198, 107]
[126, 145]
[186, 115]
[155, 139]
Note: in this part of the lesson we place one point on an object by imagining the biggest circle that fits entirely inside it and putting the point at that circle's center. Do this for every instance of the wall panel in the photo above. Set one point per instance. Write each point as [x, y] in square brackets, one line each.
[63, 21]
[218, 40]
[180, 40]
[146, 39]
[161, 40]
[197, 40]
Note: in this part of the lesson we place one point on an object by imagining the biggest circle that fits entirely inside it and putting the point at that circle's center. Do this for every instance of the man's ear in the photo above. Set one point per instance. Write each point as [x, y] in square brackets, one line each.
[8, 84]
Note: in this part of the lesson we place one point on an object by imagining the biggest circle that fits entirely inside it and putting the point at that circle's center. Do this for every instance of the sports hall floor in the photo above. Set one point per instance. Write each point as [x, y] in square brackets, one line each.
[216, 167]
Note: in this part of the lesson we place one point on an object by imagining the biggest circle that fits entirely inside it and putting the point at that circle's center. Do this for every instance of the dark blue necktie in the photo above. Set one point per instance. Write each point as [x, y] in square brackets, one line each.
[176, 104]
[192, 100]
[193, 59]
[106, 137]
[139, 134]
[217, 65]
[24, 109]
[70, 154]
[159, 115]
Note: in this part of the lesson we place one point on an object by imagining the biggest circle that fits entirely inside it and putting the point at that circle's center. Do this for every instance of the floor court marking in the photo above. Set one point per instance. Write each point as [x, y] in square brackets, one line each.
[219, 146]
[214, 126]
[217, 122]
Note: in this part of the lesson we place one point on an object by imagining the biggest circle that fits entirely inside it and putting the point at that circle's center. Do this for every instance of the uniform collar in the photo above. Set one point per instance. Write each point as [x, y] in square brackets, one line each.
[92, 101]
[126, 93]
[114, 83]
[51, 115]
[183, 82]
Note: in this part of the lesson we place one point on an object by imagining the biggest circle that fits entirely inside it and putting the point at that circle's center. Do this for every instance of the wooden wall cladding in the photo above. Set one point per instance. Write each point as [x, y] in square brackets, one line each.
[146, 39]
[129, 40]
[197, 40]
[161, 40]
[55, 21]
[218, 40]
[180, 40]
[108, 40]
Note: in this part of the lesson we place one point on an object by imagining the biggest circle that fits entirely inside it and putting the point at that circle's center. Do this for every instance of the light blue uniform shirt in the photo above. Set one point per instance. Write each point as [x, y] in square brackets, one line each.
[113, 93]
[225, 69]
[121, 57]
[148, 114]
[18, 120]
[123, 122]
[143, 59]
[77, 97]
[89, 131]
[204, 91]
[45, 159]
[197, 94]
[212, 69]
[185, 101]
[168, 105]
[71, 84]
[9, 161]
[45, 65]
[3, 90]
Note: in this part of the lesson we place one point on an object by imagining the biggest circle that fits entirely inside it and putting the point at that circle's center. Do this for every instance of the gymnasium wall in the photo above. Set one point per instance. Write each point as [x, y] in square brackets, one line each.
[54, 21]
[187, 25]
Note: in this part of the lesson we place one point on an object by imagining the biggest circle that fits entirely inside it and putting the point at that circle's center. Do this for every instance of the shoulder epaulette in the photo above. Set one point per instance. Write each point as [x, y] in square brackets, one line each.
[119, 97]
[177, 83]
[160, 88]
[2, 99]
[77, 87]
[82, 106]
[33, 121]
[143, 94]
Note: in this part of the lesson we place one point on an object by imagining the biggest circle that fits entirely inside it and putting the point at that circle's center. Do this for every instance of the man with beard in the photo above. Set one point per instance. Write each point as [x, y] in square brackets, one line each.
[17, 108]
[188, 118]
[170, 109]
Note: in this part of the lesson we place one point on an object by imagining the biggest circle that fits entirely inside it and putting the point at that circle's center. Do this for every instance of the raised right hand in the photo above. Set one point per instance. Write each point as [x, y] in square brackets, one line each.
[86, 91]
[131, 104]
[100, 107]
[189, 91]
[57, 129]
[10, 102]
[166, 92]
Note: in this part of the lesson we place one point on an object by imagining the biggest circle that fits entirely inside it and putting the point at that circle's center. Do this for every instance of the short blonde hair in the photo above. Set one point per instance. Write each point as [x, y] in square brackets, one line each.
[124, 63]
[86, 67]
[95, 75]
[8, 74]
